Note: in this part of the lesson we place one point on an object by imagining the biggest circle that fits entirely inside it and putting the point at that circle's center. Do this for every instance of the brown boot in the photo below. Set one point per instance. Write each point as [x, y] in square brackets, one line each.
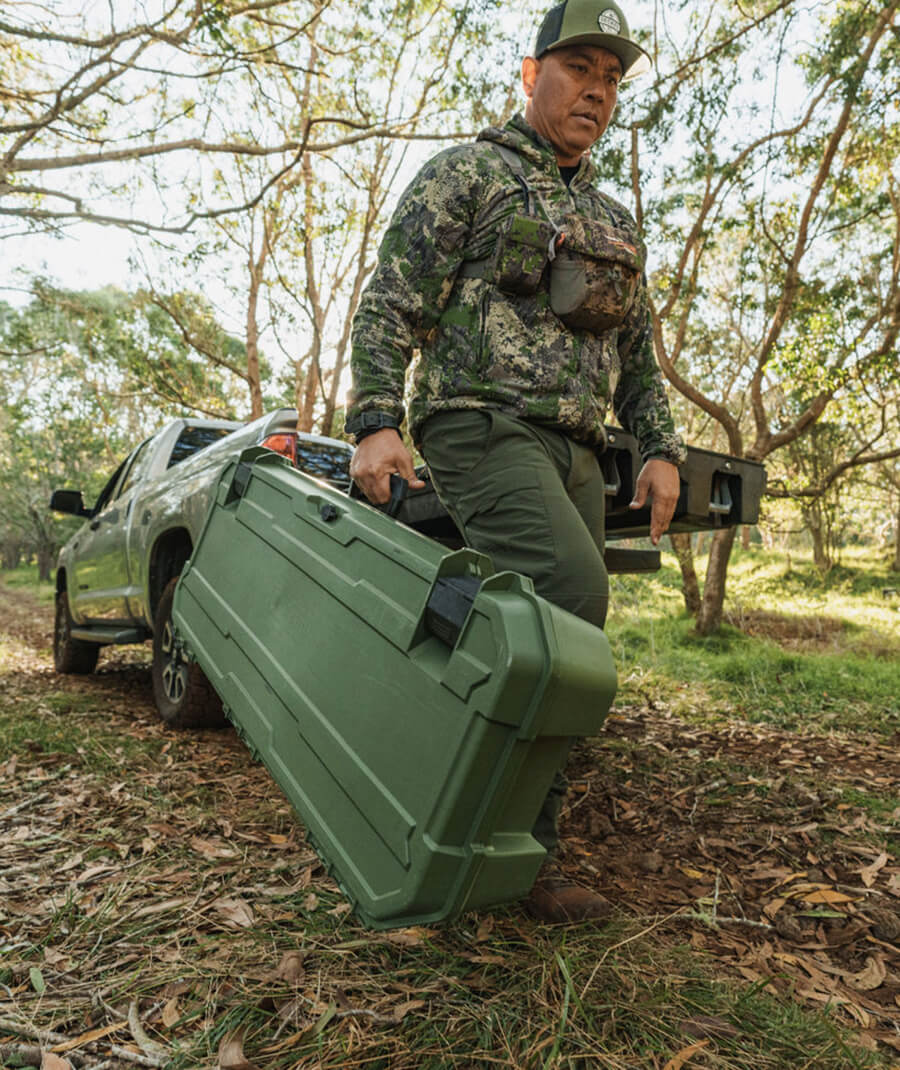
[558, 900]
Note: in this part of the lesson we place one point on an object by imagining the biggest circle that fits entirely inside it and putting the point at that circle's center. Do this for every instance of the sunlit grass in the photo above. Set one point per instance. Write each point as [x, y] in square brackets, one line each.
[802, 651]
[26, 577]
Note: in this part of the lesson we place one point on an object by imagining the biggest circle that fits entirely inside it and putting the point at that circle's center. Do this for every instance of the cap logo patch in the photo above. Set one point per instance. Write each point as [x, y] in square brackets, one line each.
[609, 21]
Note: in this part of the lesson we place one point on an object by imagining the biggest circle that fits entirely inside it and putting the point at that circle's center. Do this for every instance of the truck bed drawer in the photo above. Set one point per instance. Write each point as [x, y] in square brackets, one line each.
[717, 491]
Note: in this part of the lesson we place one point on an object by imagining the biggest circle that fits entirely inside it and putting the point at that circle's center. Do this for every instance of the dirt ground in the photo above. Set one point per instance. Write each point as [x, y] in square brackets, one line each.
[762, 847]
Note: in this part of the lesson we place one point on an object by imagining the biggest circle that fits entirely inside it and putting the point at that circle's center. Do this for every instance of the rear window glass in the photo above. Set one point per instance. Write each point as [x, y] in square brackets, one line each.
[192, 439]
[323, 461]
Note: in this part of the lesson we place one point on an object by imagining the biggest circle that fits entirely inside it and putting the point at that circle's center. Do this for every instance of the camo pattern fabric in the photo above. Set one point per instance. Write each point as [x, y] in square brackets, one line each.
[595, 275]
[523, 252]
[479, 347]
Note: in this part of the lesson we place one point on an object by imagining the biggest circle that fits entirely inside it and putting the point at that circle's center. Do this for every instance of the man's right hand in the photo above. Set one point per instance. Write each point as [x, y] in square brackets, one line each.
[376, 458]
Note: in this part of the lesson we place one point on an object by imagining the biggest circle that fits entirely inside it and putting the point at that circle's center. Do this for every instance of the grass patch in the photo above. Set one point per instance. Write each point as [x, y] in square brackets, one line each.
[452, 999]
[877, 806]
[820, 654]
[25, 578]
[59, 724]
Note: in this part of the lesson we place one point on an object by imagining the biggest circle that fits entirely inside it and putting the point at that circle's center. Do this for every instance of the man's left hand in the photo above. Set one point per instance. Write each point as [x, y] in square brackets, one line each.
[660, 481]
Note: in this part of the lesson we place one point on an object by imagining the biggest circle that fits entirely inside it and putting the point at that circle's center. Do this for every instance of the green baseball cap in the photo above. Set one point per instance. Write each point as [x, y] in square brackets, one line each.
[592, 22]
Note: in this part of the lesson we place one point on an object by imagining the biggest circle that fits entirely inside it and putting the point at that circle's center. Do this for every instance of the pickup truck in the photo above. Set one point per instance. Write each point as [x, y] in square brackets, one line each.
[116, 575]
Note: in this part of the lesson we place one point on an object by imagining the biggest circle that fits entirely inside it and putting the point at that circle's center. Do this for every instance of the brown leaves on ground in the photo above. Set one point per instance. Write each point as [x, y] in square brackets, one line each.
[178, 864]
[793, 632]
[231, 1053]
[741, 834]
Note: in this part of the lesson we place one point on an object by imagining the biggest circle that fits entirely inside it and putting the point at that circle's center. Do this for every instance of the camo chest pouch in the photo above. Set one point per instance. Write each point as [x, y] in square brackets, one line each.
[594, 275]
[523, 253]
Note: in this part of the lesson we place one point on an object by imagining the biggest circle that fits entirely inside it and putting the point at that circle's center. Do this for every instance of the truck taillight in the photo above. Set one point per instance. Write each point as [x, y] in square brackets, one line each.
[285, 444]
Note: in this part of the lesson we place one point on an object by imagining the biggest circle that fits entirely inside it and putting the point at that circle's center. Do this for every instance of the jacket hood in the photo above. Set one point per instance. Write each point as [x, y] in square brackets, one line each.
[521, 137]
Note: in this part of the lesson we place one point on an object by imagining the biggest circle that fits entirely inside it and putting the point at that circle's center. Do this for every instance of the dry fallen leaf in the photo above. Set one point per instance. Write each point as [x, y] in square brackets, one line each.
[90, 1036]
[49, 1061]
[871, 977]
[485, 928]
[400, 1012]
[678, 1060]
[310, 902]
[211, 849]
[771, 908]
[91, 872]
[231, 1053]
[827, 895]
[411, 937]
[870, 873]
[290, 968]
[236, 912]
[171, 1013]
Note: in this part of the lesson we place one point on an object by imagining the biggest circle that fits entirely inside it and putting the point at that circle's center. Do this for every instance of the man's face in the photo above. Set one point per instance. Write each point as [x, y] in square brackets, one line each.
[571, 95]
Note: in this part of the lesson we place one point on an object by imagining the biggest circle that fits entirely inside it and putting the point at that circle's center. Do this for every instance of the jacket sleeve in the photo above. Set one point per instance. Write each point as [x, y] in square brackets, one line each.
[418, 260]
[640, 400]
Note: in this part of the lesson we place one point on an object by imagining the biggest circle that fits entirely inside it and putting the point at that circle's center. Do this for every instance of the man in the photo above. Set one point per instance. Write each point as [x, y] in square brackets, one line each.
[522, 287]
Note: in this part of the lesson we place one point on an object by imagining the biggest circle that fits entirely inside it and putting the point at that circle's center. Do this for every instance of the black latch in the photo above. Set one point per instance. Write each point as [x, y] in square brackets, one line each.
[449, 605]
[720, 501]
[399, 491]
[239, 482]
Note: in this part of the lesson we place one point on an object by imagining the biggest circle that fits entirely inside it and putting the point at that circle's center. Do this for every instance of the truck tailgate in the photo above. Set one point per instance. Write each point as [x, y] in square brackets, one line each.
[413, 706]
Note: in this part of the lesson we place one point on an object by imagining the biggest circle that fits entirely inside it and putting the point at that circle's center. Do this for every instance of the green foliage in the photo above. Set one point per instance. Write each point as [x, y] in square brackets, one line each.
[785, 659]
[83, 376]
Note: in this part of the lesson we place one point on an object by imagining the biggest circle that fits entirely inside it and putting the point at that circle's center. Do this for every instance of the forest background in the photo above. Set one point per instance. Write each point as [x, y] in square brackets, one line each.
[220, 173]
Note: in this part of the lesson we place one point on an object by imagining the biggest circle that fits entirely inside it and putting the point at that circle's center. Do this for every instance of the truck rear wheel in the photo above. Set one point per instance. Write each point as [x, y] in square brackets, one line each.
[71, 655]
[184, 697]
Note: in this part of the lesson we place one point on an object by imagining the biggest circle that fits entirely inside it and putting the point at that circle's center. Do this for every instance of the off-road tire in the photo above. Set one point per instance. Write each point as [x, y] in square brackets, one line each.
[184, 697]
[71, 655]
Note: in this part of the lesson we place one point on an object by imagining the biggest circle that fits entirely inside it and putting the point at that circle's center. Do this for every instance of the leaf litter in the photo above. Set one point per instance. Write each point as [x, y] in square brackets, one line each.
[159, 898]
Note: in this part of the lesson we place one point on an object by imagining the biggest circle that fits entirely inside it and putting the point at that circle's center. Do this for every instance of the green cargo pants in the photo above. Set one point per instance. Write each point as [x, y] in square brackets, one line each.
[533, 500]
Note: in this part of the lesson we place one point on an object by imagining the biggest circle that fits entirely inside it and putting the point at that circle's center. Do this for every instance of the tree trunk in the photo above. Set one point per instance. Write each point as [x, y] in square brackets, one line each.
[820, 555]
[306, 395]
[253, 379]
[690, 586]
[896, 565]
[11, 556]
[45, 556]
[710, 616]
[307, 401]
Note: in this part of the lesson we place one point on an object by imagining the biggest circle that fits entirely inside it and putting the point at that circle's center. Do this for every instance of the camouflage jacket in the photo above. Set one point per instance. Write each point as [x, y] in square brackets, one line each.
[480, 347]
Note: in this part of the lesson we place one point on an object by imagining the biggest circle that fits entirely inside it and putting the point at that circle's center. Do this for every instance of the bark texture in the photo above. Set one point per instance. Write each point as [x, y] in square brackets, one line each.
[711, 605]
[690, 585]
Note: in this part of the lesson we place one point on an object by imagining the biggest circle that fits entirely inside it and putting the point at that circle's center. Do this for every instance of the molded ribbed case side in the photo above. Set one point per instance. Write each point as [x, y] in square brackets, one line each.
[418, 769]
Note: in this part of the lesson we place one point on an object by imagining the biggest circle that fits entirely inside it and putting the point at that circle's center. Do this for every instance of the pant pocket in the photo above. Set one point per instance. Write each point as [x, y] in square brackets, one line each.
[455, 441]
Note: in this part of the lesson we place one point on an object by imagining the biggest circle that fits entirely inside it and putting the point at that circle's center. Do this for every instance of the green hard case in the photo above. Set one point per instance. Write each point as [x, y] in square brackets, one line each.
[413, 705]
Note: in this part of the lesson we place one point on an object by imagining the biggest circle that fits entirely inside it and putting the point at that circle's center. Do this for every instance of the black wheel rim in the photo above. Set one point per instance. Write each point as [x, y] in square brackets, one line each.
[174, 669]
